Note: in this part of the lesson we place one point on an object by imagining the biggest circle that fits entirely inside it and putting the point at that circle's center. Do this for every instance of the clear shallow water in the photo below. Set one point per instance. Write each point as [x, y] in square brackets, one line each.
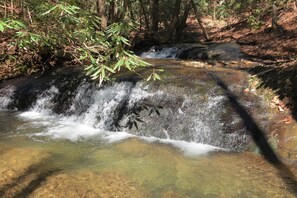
[35, 161]
[69, 143]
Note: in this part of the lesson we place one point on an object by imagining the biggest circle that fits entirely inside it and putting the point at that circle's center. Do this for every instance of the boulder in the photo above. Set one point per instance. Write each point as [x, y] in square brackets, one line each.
[212, 52]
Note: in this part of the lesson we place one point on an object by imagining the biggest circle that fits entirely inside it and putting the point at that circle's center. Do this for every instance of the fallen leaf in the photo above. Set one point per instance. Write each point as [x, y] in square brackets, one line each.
[246, 90]
[280, 109]
[287, 120]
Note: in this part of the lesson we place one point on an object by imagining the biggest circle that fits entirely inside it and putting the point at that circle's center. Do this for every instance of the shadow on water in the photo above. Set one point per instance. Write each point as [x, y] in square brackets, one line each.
[282, 81]
[42, 175]
[36, 183]
[259, 138]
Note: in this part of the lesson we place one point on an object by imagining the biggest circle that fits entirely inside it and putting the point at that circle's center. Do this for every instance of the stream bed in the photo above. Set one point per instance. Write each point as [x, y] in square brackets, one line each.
[62, 136]
[128, 168]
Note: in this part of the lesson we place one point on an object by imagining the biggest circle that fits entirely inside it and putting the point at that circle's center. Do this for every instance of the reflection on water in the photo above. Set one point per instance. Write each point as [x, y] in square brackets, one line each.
[129, 168]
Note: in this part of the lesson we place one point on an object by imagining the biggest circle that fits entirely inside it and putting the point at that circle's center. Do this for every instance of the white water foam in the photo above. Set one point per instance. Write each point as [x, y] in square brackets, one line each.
[91, 123]
[63, 128]
[190, 149]
[58, 127]
[44, 101]
[105, 102]
[166, 52]
[139, 93]
[6, 95]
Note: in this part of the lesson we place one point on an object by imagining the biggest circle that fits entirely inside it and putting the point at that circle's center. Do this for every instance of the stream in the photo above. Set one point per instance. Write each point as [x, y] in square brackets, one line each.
[63, 136]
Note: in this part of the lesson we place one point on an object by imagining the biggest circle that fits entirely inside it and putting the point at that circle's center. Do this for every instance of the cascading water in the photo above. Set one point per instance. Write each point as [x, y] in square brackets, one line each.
[6, 95]
[161, 53]
[131, 138]
[167, 112]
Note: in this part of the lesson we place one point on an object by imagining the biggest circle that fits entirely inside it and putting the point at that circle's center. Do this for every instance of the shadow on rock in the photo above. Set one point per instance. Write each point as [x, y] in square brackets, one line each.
[36, 170]
[259, 138]
[282, 81]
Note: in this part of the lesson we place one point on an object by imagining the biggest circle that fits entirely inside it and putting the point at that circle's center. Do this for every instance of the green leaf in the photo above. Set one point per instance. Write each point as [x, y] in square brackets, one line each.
[1, 27]
[124, 40]
[96, 73]
[89, 67]
[109, 69]
[119, 64]
[103, 72]
[68, 11]
[20, 24]
[132, 61]
[128, 65]
[6, 25]
[156, 77]
[149, 78]
[94, 78]
[93, 60]
[47, 12]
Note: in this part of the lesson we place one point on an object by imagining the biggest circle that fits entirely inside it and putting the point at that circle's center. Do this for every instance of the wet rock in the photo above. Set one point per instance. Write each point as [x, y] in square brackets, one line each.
[210, 52]
[27, 89]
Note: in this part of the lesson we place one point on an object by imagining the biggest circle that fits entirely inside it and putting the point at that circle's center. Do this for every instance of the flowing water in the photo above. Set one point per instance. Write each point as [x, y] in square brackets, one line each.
[161, 53]
[63, 137]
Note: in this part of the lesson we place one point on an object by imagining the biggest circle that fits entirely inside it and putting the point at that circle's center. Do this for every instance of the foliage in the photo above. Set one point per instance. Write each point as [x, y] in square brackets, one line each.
[70, 30]
[254, 22]
[113, 56]
[222, 11]
[66, 29]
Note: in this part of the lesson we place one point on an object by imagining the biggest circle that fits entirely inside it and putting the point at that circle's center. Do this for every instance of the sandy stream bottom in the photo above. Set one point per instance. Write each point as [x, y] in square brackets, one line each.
[132, 168]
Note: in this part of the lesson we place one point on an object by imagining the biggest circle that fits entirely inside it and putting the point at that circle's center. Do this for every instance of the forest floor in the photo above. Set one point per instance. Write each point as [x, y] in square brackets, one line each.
[274, 52]
[262, 44]
[275, 70]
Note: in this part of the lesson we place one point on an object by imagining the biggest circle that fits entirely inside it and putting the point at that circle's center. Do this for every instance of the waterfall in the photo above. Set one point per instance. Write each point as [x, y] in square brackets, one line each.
[167, 113]
[6, 96]
[164, 52]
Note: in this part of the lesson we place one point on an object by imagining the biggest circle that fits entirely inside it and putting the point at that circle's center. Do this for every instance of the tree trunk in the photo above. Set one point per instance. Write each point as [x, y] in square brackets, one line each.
[125, 10]
[155, 15]
[11, 7]
[140, 17]
[5, 9]
[206, 36]
[214, 8]
[174, 19]
[101, 13]
[145, 16]
[111, 13]
[274, 24]
[132, 17]
[182, 24]
[23, 9]
[274, 18]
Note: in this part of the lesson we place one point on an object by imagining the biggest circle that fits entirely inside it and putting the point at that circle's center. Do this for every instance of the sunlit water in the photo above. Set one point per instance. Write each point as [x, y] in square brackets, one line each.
[188, 141]
[103, 165]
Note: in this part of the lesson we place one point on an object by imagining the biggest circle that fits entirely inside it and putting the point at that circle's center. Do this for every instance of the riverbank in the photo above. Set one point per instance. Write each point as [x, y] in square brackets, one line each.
[272, 54]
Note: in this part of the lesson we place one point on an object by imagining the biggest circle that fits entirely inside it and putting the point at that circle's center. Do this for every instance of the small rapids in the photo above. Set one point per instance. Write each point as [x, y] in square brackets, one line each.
[161, 53]
[63, 136]
[194, 120]
[97, 116]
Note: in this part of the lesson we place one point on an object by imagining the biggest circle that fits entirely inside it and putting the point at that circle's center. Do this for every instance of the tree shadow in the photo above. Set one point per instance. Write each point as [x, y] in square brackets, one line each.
[282, 81]
[36, 183]
[264, 44]
[42, 175]
[259, 138]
